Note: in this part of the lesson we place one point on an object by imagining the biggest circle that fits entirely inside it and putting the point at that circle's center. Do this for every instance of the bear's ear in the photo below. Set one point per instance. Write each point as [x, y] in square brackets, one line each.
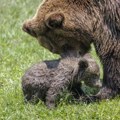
[54, 20]
[83, 64]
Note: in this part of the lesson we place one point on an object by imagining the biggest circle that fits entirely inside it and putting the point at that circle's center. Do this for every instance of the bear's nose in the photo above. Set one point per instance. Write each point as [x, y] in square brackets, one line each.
[54, 21]
[28, 29]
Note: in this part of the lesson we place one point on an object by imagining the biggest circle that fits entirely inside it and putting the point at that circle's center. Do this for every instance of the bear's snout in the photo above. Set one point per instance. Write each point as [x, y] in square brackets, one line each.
[27, 27]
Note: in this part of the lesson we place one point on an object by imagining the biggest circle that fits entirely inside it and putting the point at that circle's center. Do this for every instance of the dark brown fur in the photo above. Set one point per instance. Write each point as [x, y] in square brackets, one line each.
[46, 80]
[78, 23]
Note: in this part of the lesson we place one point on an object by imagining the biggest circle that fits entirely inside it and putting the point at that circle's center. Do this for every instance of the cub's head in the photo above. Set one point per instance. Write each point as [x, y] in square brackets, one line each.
[91, 75]
[89, 72]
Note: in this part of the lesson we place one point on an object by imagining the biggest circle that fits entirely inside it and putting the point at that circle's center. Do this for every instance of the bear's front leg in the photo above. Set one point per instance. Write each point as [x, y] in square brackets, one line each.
[54, 91]
[51, 98]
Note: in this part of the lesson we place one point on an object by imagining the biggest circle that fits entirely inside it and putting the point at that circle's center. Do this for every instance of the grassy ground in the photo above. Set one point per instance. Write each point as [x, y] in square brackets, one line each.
[17, 52]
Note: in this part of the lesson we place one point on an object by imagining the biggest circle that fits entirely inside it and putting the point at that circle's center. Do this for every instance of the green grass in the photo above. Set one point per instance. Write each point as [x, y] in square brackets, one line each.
[17, 52]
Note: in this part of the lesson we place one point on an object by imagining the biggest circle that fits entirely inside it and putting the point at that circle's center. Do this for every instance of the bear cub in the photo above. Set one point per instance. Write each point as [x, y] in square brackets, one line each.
[48, 79]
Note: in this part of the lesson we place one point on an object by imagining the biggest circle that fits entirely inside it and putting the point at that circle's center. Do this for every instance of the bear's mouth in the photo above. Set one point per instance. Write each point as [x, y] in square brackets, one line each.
[63, 49]
[49, 44]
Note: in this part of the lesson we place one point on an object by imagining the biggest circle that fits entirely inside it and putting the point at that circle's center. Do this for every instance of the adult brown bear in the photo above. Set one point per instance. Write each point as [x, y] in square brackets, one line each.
[78, 23]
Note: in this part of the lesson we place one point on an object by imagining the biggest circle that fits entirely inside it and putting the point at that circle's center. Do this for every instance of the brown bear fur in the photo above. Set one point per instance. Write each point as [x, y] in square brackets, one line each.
[48, 79]
[79, 23]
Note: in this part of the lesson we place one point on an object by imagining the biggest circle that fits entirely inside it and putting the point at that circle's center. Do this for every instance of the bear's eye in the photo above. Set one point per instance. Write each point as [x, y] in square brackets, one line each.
[54, 21]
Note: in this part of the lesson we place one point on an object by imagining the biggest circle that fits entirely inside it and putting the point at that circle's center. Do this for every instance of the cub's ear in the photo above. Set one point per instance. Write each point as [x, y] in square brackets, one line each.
[54, 20]
[83, 64]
